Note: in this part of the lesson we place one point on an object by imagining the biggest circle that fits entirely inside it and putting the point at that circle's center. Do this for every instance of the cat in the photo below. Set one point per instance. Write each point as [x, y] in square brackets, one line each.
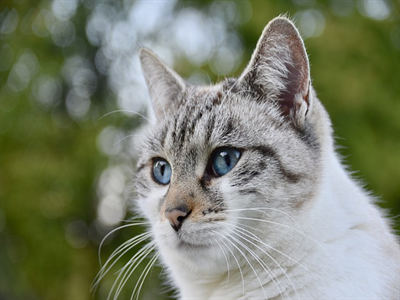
[244, 192]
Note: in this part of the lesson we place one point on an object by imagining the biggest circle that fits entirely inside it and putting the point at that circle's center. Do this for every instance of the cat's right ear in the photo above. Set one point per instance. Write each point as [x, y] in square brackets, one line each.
[164, 85]
[279, 70]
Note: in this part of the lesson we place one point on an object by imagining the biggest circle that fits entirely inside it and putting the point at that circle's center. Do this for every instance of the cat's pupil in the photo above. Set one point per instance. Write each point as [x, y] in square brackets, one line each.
[162, 169]
[226, 158]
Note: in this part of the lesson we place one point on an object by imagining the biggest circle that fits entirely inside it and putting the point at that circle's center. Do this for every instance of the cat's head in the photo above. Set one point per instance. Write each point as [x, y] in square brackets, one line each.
[218, 159]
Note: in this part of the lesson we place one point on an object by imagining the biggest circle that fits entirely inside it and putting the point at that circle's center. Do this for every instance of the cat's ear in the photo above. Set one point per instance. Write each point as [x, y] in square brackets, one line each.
[279, 70]
[165, 86]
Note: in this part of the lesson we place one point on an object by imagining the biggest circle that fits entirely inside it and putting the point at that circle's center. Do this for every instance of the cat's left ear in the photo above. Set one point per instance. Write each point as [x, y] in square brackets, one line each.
[279, 70]
[165, 86]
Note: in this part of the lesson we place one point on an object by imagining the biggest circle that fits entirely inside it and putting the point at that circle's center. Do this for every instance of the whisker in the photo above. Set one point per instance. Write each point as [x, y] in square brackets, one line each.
[264, 266]
[226, 258]
[146, 271]
[237, 262]
[128, 242]
[257, 238]
[244, 256]
[263, 208]
[126, 111]
[122, 270]
[111, 232]
[270, 256]
[131, 266]
[123, 139]
[126, 248]
[286, 226]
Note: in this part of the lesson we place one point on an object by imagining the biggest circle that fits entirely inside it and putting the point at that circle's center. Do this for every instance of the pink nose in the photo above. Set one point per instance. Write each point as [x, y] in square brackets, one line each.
[176, 216]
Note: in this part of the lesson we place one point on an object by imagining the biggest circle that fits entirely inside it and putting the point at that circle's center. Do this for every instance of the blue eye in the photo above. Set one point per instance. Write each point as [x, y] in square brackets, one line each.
[161, 171]
[223, 160]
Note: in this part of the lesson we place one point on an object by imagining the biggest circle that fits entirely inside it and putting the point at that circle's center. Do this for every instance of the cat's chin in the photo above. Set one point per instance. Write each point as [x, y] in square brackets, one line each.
[183, 245]
[197, 257]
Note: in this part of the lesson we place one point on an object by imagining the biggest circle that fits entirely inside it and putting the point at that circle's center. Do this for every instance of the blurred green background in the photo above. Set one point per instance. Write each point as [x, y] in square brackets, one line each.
[71, 96]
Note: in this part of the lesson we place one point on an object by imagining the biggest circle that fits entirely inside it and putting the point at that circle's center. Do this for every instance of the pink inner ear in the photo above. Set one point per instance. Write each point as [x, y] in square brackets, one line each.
[297, 80]
[282, 43]
[279, 66]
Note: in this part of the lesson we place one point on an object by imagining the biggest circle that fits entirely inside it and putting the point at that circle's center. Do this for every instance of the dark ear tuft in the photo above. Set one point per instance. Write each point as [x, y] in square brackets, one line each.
[279, 69]
[165, 86]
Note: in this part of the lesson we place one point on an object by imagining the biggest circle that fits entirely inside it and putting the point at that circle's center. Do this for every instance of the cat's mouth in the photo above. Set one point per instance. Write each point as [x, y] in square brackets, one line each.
[199, 239]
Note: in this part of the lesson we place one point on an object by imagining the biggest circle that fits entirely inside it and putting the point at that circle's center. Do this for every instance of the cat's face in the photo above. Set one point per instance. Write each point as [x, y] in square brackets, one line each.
[220, 159]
